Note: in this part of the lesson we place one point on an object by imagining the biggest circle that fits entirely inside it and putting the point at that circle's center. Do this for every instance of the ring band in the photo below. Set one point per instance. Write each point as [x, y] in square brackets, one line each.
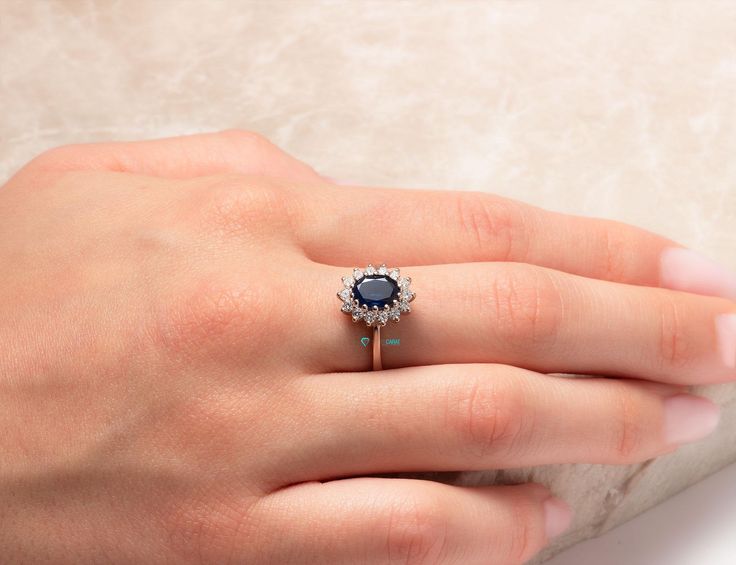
[376, 295]
[377, 364]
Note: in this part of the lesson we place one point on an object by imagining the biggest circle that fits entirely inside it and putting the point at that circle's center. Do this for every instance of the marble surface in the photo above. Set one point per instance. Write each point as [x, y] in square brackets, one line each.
[695, 527]
[622, 110]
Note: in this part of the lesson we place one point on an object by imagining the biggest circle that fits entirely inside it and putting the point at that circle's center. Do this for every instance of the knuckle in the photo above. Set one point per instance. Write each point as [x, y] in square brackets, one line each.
[416, 531]
[211, 315]
[493, 224]
[235, 205]
[251, 141]
[628, 431]
[525, 306]
[674, 349]
[524, 537]
[488, 416]
[613, 256]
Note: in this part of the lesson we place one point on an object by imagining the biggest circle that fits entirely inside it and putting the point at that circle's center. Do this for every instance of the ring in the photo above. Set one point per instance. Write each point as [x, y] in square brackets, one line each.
[376, 295]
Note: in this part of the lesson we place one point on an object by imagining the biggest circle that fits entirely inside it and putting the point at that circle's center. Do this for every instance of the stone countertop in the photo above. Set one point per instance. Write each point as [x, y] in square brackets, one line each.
[695, 527]
[621, 110]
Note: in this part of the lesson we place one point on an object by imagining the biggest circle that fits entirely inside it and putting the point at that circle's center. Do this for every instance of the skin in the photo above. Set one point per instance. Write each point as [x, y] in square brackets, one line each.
[178, 384]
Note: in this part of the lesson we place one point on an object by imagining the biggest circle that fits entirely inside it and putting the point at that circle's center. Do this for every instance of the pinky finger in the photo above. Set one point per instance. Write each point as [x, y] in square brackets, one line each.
[381, 520]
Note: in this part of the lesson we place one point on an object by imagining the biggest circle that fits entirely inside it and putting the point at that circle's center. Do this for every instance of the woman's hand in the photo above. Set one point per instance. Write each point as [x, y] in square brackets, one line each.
[178, 383]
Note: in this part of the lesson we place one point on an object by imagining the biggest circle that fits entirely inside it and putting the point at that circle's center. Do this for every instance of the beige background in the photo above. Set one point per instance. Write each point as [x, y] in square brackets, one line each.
[619, 109]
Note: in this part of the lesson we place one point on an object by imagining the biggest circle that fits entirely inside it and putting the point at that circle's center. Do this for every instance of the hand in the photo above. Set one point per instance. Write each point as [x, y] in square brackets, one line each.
[178, 383]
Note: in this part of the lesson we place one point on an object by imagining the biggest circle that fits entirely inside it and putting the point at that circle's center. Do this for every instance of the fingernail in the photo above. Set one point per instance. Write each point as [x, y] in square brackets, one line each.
[726, 329]
[688, 418]
[557, 517]
[687, 270]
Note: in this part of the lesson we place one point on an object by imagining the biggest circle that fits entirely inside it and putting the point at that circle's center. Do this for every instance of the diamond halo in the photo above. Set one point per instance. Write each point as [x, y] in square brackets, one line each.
[372, 310]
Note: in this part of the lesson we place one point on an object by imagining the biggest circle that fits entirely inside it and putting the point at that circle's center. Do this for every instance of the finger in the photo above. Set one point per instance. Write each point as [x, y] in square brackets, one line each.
[536, 318]
[478, 416]
[230, 151]
[378, 520]
[424, 227]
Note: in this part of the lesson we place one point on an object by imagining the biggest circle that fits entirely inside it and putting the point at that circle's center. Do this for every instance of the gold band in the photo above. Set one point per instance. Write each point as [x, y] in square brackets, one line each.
[377, 366]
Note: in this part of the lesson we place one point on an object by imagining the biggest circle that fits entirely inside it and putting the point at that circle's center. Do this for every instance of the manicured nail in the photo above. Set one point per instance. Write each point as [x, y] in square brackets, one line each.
[688, 418]
[687, 270]
[726, 328]
[557, 517]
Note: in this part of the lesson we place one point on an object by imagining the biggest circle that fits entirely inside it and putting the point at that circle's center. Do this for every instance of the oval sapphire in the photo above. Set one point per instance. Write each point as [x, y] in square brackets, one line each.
[376, 290]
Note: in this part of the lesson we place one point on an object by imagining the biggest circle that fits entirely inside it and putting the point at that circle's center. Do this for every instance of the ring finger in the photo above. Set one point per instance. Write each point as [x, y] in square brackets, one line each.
[535, 318]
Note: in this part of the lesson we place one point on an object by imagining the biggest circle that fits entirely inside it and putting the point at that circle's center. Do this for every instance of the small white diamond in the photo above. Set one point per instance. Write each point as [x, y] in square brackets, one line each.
[347, 306]
[370, 270]
[394, 274]
[357, 314]
[407, 295]
[348, 281]
[404, 281]
[357, 274]
[383, 316]
[404, 306]
[370, 317]
[344, 294]
[382, 270]
[395, 315]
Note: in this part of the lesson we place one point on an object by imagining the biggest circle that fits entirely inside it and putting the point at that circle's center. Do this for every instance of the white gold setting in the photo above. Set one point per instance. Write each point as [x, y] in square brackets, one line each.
[375, 316]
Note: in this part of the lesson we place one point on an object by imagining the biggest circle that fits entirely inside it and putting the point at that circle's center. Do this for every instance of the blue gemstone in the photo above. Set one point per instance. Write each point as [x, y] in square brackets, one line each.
[376, 290]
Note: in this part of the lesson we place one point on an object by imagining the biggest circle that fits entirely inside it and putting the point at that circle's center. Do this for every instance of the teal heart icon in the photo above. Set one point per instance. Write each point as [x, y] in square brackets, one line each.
[364, 341]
